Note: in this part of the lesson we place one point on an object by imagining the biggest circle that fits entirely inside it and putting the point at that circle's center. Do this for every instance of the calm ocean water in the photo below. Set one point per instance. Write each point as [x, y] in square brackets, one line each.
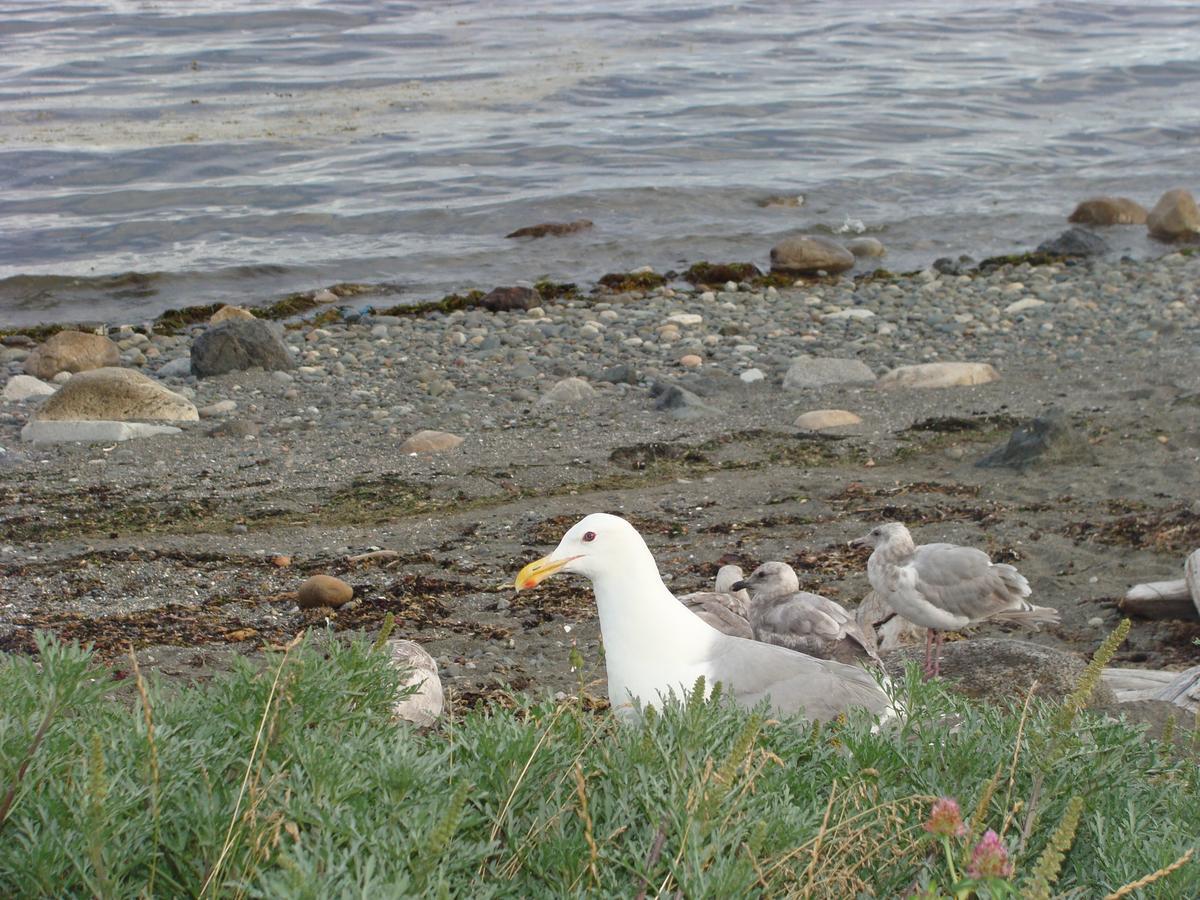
[233, 151]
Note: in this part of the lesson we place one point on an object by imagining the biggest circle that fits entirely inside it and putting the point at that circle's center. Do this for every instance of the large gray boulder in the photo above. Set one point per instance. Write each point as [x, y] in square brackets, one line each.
[808, 254]
[1109, 211]
[116, 395]
[1075, 242]
[71, 351]
[239, 344]
[1045, 440]
[818, 371]
[1001, 670]
[1175, 217]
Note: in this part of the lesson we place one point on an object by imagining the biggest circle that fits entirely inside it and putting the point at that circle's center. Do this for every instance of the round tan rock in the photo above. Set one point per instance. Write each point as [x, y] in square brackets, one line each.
[821, 419]
[227, 312]
[430, 442]
[1108, 211]
[691, 361]
[807, 254]
[71, 351]
[866, 247]
[937, 375]
[323, 590]
[117, 395]
[1174, 216]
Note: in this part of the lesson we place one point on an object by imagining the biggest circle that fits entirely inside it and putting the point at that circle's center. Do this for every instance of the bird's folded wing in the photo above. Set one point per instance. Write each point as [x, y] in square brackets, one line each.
[821, 689]
[960, 580]
[731, 602]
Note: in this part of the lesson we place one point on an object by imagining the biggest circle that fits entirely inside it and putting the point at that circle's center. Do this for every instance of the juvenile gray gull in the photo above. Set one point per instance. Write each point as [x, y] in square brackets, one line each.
[892, 631]
[781, 613]
[654, 646]
[946, 586]
[722, 608]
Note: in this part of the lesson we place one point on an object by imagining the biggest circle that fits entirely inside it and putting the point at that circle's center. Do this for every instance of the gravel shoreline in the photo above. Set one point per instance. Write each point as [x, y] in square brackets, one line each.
[173, 540]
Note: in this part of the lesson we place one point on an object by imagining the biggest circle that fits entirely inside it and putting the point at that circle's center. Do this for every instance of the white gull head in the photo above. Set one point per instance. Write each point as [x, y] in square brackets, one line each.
[652, 643]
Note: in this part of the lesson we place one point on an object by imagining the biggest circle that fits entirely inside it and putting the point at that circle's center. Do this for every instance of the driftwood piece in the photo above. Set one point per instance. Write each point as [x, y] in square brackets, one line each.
[1191, 574]
[1179, 688]
[1179, 599]
[1124, 681]
[1159, 600]
[374, 556]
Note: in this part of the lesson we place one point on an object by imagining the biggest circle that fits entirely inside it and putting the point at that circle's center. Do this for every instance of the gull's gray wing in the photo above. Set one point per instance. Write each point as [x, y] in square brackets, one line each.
[964, 582]
[821, 689]
[812, 624]
[724, 612]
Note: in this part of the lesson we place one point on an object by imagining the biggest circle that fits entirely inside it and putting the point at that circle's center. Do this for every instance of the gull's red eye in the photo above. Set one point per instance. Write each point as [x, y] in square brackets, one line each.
[589, 536]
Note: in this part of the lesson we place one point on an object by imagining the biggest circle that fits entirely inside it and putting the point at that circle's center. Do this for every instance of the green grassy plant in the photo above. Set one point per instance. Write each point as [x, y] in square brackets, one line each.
[290, 779]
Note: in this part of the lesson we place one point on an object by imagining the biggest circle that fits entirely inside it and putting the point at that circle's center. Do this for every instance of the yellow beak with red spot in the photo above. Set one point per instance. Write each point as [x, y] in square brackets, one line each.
[539, 570]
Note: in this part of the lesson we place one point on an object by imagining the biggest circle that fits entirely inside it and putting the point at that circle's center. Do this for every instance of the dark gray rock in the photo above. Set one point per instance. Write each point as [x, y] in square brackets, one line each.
[1075, 242]
[678, 402]
[948, 266]
[622, 373]
[814, 372]
[1001, 670]
[506, 298]
[1046, 440]
[239, 344]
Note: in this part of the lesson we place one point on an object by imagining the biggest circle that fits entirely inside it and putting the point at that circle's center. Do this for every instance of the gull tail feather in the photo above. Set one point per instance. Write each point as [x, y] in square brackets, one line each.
[1016, 583]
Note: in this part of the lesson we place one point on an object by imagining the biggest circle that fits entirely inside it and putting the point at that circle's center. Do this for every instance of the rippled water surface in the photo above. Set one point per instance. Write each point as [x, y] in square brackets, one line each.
[233, 151]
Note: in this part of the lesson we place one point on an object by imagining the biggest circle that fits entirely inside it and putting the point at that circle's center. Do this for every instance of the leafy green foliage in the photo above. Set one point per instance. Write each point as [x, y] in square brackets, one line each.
[293, 780]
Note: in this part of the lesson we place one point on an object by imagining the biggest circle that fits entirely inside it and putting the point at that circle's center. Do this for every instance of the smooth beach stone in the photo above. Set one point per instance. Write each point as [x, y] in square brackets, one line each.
[121, 395]
[937, 375]
[806, 254]
[239, 344]
[1075, 242]
[175, 368]
[1108, 211]
[678, 402]
[814, 372]
[752, 376]
[866, 247]
[25, 387]
[507, 298]
[1044, 440]
[90, 432]
[1023, 305]
[1174, 216]
[220, 408]
[843, 315]
[430, 442]
[691, 361]
[571, 391]
[821, 419]
[227, 312]
[1003, 670]
[323, 590]
[71, 351]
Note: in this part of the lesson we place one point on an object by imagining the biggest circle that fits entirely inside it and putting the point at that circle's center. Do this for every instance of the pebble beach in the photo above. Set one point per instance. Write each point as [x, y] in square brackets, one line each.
[675, 406]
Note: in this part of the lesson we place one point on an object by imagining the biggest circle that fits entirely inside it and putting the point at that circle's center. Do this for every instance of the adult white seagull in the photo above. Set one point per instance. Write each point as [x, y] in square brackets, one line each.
[945, 586]
[654, 646]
